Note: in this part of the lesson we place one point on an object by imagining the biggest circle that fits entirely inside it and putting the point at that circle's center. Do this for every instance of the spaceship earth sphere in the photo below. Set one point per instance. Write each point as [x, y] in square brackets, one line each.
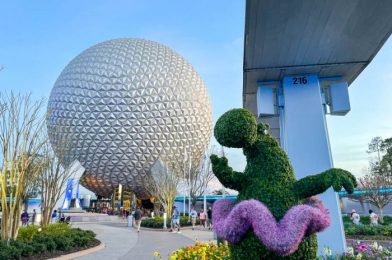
[122, 105]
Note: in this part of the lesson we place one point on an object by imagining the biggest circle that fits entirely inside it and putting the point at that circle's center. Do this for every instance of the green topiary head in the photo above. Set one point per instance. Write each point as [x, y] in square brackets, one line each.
[236, 128]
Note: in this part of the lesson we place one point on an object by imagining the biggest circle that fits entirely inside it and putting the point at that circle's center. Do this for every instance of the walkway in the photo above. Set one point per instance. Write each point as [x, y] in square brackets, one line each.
[125, 243]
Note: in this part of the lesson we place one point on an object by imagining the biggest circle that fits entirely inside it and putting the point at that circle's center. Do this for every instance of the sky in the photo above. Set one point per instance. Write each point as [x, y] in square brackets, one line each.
[39, 38]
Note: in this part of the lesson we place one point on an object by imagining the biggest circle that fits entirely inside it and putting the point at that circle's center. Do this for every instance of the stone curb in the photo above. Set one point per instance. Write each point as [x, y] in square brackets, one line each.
[80, 253]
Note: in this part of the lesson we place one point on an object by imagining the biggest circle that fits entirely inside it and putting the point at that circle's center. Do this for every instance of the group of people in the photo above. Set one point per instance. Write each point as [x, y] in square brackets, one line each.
[204, 217]
[356, 218]
[60, 217]
[31, 219]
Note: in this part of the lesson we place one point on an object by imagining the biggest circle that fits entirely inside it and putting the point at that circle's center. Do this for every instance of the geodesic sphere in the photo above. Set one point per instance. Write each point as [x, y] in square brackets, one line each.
[123, 104]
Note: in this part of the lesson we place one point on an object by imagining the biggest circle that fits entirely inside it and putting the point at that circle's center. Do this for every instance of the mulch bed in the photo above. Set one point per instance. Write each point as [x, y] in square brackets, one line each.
[48, 255]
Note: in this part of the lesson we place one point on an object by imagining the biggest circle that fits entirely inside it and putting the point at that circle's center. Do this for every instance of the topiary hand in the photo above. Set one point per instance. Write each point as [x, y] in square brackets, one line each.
[225, 173]
[316, 184]
[342, 179]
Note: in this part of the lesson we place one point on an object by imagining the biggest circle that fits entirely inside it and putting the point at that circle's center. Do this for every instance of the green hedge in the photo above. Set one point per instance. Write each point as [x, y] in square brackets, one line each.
[368, 230]
[33, 240]
[366, 220]
[157, 222]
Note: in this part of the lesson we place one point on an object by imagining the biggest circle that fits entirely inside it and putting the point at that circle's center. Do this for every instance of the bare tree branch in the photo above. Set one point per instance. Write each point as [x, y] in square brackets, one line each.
[21, 139]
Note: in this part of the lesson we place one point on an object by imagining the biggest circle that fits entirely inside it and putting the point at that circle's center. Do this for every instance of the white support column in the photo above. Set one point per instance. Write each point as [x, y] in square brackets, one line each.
[205, 202]
[305, 139]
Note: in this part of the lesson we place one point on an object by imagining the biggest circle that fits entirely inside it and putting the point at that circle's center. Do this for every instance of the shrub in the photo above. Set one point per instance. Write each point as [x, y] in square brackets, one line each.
[27, 233]
[24, 248]
[366, 220]
[53, 237]
[63, 242]
[205, 251]
[9, 252]
[56, 229]
[367, 230]
[38, 247]
[50, 245]
[157, 222]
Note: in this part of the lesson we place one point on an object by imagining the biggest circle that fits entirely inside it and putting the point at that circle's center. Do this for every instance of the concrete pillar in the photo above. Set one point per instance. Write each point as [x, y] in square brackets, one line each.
[305, 139]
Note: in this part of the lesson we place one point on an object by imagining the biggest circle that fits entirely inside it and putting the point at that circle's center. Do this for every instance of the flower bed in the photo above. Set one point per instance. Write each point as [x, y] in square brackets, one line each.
[57, 239]
[200, 251]
[157, 222]
[357, 250]
[363, 250]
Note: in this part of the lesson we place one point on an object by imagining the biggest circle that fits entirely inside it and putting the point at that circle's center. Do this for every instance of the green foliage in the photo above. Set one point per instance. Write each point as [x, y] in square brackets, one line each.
[269, 178]
[157, 222]
[368, 230]
[25, 249]
[32, 240]
[306, 250]
[9, 252]
[365, 220]
[27, 233]
[236, 128]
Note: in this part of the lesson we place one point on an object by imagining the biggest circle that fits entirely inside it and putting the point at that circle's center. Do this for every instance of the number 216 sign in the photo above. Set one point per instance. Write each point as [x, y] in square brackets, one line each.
[299, 80]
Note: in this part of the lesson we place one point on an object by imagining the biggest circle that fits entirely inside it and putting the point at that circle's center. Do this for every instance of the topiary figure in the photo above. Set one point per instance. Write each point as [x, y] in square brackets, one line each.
[268, 193]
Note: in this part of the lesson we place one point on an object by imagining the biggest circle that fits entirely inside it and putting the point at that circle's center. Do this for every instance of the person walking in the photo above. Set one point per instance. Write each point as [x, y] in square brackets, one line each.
[202, 217]
[209, 216]
[193, 215]
[33, 217]
[355, 217]
[25, 218]
[124, 213]
[54, 216]
[176, 219]
[138, 218]
[373, 218]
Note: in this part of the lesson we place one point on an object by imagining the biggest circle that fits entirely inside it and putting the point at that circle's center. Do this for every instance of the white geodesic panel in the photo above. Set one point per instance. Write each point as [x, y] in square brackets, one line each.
[123, 104]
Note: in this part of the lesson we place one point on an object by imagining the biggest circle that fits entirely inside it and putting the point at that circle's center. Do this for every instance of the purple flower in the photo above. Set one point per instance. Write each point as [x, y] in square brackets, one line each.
[231, 223]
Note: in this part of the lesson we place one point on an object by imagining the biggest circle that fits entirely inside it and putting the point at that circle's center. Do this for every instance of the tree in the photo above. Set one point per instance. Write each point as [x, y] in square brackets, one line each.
[53, 180]
[376, 146]
[199, 178]
[166, 181]
[376, 184]
[21, 139]
[386, 161]
[32, 188]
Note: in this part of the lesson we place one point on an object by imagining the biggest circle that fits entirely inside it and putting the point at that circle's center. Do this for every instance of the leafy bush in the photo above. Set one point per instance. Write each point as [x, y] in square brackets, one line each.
[25, 249]
[9, 252]
[366, 220]
[50, 245]
[205, 251]
[157, 222]
[32, 240]
[27, 233]
[368, 230]
[38, 247]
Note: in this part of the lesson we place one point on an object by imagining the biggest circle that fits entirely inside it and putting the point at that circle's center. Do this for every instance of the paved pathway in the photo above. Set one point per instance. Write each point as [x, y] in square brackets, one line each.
[124, 243]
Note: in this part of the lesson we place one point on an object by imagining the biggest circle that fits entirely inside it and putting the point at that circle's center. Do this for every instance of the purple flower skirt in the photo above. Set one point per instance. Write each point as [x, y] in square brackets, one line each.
[232, 221]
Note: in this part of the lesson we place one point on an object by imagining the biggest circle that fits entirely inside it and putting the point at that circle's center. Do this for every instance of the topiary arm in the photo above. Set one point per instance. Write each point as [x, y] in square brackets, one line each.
[225, 173]
[318, 183]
